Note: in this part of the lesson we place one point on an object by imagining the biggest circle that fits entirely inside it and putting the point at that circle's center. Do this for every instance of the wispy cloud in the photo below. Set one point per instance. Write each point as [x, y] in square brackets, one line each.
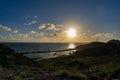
[103, 36]
[31, 23]
[15, 31]
[35, 16]
[40, 34]
[56, 33]
[23, 36]
[49, 27]
[35, 34]
[32, 32]
[5, 28]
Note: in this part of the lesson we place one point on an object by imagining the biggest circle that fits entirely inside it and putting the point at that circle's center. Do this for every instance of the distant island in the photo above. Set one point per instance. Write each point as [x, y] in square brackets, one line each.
[92, 61]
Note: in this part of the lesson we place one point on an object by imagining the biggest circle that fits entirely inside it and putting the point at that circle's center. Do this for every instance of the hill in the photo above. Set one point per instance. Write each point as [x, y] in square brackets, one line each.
[9, 58]
[112, 47]
[15, 66]
[93, 61]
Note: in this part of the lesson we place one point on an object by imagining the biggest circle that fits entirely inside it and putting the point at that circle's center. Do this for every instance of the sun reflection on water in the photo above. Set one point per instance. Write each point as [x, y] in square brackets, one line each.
[71, 46]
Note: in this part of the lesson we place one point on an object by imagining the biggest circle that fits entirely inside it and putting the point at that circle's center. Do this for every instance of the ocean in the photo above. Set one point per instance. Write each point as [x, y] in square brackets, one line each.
[32, 47]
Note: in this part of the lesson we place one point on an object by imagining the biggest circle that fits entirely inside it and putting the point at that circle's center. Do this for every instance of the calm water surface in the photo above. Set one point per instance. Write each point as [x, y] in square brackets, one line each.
[29, 47]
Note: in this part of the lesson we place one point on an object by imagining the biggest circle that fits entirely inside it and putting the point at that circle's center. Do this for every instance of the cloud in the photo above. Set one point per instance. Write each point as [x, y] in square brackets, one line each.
[32, 35]
[103, 36]
[59, 34]
[49, 26]
[55, 34]
[35, 35]
[59, 25]
[35, 16]
[41, 34]
[15, 31]
[5, 28]
[25, 36]
[33, 32]
[31, 23]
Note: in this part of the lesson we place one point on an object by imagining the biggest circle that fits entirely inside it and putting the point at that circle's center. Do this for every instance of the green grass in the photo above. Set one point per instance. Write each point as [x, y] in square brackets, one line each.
[72, 67]
[68, 75]
[88, 67]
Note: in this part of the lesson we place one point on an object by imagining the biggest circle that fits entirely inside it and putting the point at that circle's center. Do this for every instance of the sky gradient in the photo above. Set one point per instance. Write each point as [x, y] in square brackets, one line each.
[48, 20]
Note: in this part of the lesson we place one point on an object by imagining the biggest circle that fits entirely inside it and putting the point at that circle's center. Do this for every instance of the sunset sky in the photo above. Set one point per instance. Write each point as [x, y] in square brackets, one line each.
[50, 20]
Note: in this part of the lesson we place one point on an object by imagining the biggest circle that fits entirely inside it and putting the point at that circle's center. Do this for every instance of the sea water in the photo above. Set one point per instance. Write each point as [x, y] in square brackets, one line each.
[32, 47]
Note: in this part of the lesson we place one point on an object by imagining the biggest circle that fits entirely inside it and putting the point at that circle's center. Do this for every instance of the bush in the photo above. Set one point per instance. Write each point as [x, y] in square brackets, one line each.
[67, 75]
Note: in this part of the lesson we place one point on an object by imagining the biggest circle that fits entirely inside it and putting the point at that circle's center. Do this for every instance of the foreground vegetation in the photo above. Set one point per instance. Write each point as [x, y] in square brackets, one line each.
[84, 67]
[94, 61]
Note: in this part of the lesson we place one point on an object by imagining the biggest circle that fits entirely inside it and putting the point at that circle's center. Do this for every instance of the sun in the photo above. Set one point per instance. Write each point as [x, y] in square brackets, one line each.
[71, 33]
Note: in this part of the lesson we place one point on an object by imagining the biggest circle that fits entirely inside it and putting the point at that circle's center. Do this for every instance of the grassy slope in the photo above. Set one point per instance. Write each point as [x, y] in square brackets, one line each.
[94, 65]
[14, 66]
[88, 67]
[91, 61]
[9, 58]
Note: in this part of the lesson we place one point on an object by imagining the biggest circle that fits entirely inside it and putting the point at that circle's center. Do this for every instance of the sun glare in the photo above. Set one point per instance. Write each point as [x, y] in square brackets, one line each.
[71, 33]
[71, 46]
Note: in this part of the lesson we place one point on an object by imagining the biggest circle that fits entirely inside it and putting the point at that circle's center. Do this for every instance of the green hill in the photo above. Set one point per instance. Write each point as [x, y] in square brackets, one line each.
[15, 66]
[9, 58]
[99, 48]
[93, 61]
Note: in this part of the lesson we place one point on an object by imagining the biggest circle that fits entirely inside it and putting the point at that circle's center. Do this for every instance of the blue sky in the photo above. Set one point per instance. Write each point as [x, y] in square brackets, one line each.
[48, 20]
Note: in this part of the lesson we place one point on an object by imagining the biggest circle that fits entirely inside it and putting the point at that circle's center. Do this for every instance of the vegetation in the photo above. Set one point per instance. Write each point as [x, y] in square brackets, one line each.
[93, 61]
[12, 64]
[9, 58]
